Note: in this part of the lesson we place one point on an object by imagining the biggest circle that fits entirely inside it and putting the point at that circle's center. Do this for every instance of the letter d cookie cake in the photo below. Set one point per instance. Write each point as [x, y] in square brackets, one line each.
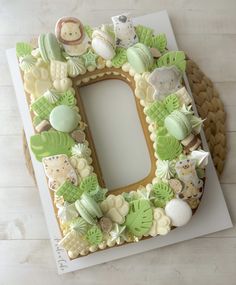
[91, 217]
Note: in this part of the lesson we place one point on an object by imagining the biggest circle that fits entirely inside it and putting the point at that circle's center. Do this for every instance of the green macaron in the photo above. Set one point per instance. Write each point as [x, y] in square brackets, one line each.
[178, 125]
[91, 205]
[88, 208]
[49, 47]
[139, 57]
[84, 213]
[64, 119]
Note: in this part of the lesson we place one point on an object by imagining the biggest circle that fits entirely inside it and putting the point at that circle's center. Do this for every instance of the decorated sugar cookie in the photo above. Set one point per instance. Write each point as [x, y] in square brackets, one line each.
[70, 33]
[165, 80]
[124, 31]
[58, 169]
[186, 172]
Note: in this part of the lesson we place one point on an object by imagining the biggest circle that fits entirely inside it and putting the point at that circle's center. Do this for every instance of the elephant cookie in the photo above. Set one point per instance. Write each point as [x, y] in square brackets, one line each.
[58, 169]
[165, 80]
[70, 33]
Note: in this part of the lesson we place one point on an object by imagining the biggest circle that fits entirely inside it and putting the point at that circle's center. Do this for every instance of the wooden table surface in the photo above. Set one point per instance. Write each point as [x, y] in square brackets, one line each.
[206, 30]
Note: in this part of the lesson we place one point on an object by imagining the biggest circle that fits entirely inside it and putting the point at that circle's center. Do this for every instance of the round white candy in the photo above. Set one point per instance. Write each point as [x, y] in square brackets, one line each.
[179, 211]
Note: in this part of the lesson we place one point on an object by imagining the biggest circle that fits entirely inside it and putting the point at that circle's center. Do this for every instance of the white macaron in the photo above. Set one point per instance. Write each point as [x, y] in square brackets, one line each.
[103, 44]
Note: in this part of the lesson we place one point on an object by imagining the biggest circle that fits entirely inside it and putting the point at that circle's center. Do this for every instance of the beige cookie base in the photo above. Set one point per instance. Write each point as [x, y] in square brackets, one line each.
[203, 91]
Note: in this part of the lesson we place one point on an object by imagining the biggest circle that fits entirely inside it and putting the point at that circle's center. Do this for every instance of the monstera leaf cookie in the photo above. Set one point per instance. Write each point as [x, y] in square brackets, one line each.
[51, 143]
[168, 147]
[139, 218]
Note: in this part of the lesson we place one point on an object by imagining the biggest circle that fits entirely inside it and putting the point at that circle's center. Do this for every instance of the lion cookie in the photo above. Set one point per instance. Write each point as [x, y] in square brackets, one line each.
[70, 33]
[58, 169]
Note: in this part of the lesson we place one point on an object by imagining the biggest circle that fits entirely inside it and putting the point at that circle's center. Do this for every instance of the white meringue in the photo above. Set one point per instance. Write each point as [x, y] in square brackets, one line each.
[201, 157]
[75, 66]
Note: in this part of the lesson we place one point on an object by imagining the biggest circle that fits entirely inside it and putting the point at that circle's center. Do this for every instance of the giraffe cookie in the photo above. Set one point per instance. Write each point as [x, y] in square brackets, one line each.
[187, 173]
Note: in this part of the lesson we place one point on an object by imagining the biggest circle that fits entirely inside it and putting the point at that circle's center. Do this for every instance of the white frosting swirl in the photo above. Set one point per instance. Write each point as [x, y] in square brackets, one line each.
[165, 169]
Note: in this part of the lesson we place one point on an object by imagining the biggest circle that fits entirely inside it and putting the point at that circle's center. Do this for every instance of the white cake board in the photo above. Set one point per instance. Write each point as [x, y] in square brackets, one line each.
[211, 216]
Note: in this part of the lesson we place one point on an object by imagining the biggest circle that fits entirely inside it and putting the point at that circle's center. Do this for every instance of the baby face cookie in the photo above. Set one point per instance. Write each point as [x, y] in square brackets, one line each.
[124, 31]
[165, 80]
[58, 169]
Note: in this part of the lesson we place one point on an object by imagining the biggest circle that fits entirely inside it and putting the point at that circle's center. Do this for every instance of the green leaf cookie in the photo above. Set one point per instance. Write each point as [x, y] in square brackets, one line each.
[88, 31]
[69, 192]
[144, 34]
[171, 103]
[157, 113]
[94, 236]
[89, 184]
[139, 219]
[23, 49]
[163, 193]
[51, 143]
[168, 148]
[67, 98]
[159, 42]
[120, 58]
[176, 58]
[42, 107]
[162, 131]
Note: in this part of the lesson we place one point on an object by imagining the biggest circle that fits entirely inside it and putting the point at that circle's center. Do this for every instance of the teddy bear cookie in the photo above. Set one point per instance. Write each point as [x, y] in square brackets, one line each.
[90, 217]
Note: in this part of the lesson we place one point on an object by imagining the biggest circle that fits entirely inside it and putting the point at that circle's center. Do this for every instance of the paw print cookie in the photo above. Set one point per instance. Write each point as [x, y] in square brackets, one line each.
[115, 208]
[81, 166]
[58, 169]
[161, 223]
[37, 81]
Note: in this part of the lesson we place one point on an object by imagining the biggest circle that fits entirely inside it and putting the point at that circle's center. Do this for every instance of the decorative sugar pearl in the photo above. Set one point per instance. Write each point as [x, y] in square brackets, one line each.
[179, 211]
[64, 119]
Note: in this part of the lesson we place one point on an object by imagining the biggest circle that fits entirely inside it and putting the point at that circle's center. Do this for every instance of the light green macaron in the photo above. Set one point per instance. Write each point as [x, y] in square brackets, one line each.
[84, 213]
[88, 208]
[178, 125]
[64, 119]
[139, 57]
[49, 47]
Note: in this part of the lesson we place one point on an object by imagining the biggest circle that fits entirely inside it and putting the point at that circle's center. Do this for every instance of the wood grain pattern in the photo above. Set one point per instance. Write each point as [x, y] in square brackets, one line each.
[206, 30]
